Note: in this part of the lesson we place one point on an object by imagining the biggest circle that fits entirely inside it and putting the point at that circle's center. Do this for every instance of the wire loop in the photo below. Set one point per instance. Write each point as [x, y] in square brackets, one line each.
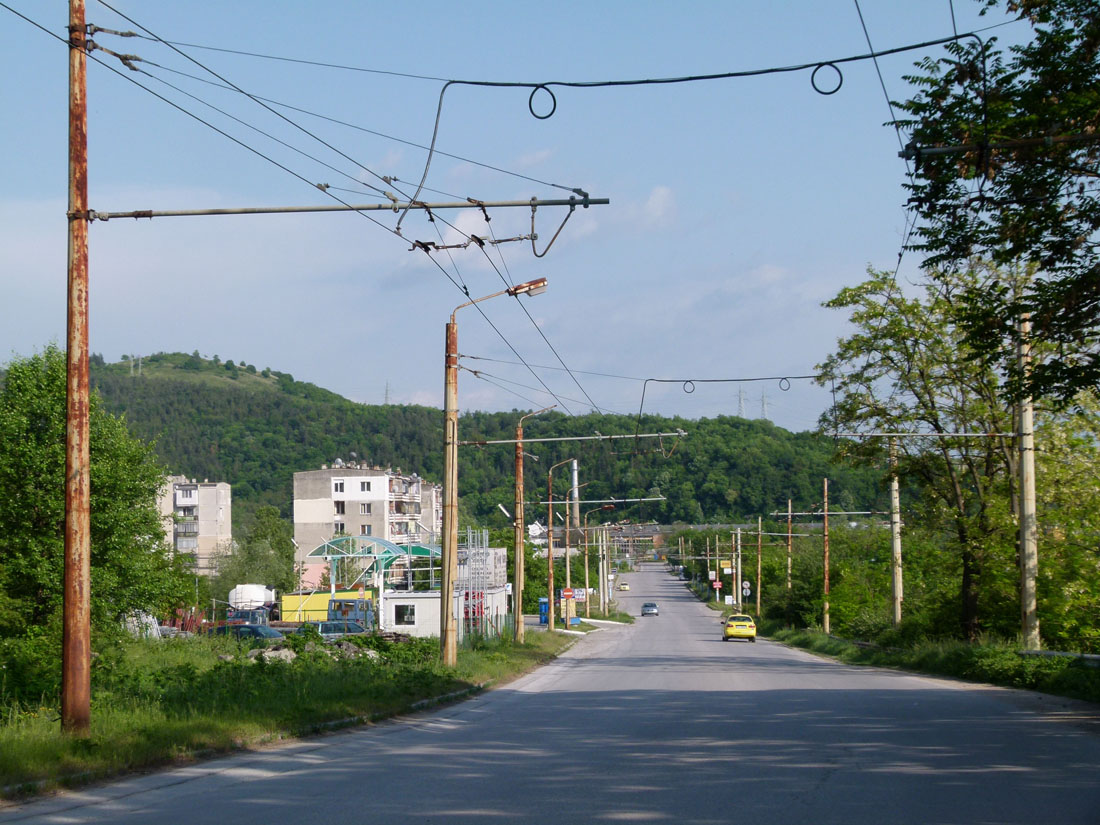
[531, 103]
[839, 79]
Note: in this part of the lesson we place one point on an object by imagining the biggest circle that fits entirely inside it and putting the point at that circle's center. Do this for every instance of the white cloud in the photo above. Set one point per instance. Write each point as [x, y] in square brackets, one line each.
[660, 206]
[531, 159]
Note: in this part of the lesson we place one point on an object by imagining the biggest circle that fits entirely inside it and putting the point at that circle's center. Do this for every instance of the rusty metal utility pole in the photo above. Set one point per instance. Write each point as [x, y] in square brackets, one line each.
[448, 632]
[517, 587]
[448, 642]
[550, 544]
[76, 653]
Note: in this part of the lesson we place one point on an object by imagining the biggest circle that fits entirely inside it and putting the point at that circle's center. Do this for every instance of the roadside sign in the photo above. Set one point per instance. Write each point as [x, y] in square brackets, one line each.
[580, 595]
[727, 570]
[729, 599]
[746, 591]
[725, 563]
[712, 574]
[567, 593]
[717, 585]
[746, 585]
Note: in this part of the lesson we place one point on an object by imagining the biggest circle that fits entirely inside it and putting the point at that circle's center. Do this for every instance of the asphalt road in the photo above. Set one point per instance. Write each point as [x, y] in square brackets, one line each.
[660, 721]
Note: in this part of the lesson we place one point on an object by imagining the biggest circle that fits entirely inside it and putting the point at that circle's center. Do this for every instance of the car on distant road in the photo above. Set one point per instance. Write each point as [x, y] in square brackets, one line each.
[624, 586]
[650, 609]
[248, 632]
[333, 629]
[739, 626]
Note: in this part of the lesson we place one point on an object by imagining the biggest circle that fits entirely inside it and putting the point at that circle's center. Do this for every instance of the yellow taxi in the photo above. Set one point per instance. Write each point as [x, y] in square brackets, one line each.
[738, 626]
[624, 586]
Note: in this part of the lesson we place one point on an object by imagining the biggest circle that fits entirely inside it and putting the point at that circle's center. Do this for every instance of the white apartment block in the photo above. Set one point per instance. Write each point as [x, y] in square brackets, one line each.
[198, 519]
[357, 500]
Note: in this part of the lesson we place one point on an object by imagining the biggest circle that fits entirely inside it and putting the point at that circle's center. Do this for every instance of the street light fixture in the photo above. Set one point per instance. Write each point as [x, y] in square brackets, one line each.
[587, 601]
[448, 640]
[550, 541]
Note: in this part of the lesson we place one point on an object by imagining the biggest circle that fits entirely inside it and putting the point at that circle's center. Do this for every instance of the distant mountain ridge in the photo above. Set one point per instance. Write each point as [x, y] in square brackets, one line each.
[256, 428]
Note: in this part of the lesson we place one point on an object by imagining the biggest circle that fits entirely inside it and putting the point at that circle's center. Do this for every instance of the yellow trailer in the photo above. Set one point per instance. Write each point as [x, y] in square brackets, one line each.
[312, 605]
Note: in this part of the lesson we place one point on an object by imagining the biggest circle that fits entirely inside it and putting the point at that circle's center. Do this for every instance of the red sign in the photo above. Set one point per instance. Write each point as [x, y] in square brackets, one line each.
[717, 585]
[567, 593]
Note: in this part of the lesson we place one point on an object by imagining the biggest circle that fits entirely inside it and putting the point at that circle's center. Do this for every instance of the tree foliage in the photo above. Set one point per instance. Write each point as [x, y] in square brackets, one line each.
[264, 556]
[257, 431]
[1017, 185]
[907, 368]
[131, 565]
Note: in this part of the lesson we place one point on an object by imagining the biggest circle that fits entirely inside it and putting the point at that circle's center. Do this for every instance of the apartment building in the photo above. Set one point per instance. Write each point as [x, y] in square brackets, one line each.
[198, 519]
[357, 500]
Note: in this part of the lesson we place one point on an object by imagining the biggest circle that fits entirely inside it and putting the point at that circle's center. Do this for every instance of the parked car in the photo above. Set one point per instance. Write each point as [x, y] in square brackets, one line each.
[624, 586]
[739, 627]
[333, 630]
[248, 632]
[650, 609]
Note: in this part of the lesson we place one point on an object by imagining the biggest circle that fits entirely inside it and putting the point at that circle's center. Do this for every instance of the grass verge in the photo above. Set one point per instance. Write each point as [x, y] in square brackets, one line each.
[991, 662]
[169, 702]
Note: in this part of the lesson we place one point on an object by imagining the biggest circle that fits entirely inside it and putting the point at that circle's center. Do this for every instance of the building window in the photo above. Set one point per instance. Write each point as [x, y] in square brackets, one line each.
[404, 614]
[364, 509]
[364, 529]
[338, 486]
[364, 486]
[339, 507]
[338, 528]
[187, 493]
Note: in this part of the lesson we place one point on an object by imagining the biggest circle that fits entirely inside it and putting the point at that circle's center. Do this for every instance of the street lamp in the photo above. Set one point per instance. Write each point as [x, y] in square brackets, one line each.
[448, 641]
[587, 601]
[550, 540]
[517, 587]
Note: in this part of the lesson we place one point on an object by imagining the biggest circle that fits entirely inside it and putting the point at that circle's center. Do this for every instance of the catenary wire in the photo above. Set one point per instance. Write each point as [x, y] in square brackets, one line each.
[256, 100]
[460, 284]
[364, 129]
[480, 374]
[397, 230]
[176, 106]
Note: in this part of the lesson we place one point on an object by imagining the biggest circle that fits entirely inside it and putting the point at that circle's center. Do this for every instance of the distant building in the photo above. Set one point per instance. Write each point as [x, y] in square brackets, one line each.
[198, 519]
[356, 500]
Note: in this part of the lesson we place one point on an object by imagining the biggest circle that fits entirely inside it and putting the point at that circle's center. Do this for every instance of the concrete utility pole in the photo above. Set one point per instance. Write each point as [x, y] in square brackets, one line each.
[576, 495]
[1029, 528]
[825, 508]
[740, 599]
[759, 559]
[788, 547]
[895, 534]
[76, 650]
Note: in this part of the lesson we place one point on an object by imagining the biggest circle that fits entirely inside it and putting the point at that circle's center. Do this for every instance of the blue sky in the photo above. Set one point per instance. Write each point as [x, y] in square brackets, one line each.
[737, 206]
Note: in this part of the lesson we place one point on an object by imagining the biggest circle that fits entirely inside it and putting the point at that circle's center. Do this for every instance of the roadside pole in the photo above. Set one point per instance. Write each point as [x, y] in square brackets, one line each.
[825, 612]
[76, 652]
[759, 562]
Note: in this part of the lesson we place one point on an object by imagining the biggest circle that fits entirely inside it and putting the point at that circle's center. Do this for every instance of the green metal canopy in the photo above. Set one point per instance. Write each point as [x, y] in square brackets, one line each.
[382, 552]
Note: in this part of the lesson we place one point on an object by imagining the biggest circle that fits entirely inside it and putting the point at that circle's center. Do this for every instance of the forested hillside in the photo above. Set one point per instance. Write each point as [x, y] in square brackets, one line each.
[254, 429]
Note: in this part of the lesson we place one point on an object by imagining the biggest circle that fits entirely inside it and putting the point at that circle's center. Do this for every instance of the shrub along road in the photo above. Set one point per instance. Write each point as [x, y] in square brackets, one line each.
[659, 720]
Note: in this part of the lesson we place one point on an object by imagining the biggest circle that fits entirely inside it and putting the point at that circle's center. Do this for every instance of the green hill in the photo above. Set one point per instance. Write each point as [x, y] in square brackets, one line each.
[254, 429]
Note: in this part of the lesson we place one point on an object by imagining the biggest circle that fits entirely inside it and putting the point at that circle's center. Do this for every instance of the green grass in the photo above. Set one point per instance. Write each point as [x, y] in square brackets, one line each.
[159, 703]
[990, 661]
